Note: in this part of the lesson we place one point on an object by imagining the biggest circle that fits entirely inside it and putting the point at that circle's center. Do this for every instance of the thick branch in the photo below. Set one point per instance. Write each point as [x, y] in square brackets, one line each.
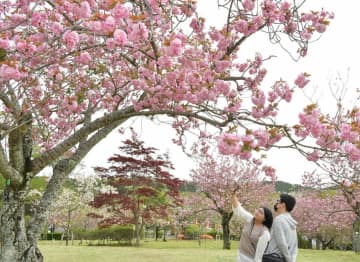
[7, 171]
[61, 170]
[56, 152]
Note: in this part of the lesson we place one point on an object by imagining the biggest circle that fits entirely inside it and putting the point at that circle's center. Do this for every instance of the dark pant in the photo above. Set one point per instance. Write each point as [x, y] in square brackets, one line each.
[273, 258]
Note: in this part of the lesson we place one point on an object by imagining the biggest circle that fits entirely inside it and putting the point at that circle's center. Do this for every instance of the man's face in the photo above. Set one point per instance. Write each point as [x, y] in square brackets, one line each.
[277, 204]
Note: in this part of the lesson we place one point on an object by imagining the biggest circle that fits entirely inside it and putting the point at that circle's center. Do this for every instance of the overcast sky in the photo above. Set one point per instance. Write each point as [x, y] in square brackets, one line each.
[336, 53]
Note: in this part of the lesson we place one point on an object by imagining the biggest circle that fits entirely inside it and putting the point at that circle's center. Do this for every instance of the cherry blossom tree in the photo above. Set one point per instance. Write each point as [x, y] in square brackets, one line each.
[73, 204]
[141, 184]
[73, 71]
[219, 178]
[343, 175]
[324, 216]
[195, 208]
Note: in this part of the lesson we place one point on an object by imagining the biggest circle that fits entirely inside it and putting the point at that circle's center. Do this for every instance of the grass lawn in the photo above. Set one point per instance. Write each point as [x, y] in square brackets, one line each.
[171, 251]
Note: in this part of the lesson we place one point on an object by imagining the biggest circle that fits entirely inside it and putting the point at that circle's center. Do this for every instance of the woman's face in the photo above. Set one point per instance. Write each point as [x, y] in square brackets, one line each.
[259, 214]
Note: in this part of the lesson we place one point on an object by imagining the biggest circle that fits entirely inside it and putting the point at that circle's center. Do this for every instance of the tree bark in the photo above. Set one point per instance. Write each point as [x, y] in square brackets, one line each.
[226, 229]
[18, 243]
[356, 234]
[137, 232]
[68, 228]
[15, 243]
[157, 229]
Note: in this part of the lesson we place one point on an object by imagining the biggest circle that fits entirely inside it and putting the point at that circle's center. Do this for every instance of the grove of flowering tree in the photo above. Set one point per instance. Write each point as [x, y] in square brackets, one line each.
[343, 175]
[141, 187]
[73, 71]
[219, 178]
[324, 216]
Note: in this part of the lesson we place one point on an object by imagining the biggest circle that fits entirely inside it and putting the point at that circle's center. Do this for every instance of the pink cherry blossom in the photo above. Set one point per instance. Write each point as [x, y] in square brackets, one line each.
[38, 19]
[5, 43]
[71, 39]
[56, 28]
[9, 73]
[249, 4]
[138, 32]
[314, 156]
[84, 10]
[108, 25]
[84, 58]
[347, 134]
[352, 151]
[221, 66]
[120, 37]
[228, 143]
[120, 11]
[175, 48]
[301, 81]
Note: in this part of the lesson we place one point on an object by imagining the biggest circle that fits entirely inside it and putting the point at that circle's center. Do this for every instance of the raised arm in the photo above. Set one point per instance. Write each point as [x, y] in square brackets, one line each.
[239, 210]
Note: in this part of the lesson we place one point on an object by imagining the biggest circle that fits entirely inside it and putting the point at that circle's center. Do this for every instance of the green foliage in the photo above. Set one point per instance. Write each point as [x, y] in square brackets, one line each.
[71, 184]
[39, 183]
[284, 187]
[191, 231]
[303, 242]
[187, 186]
[51, 236]
[2, 183]
[2, 54]
[213, 233]
[118, 233]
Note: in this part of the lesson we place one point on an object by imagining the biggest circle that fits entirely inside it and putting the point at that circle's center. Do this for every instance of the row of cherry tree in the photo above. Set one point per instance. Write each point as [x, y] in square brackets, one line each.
[73, 71]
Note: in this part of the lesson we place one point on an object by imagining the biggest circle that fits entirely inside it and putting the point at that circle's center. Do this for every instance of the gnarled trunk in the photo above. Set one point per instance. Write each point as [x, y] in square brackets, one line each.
[16, 246]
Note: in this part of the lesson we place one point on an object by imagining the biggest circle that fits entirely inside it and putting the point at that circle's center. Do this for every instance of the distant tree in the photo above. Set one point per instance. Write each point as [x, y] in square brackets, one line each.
[323, 215]
[73, 204]
[188, 186]
[281, 186]
[218, 178]
[140, 185]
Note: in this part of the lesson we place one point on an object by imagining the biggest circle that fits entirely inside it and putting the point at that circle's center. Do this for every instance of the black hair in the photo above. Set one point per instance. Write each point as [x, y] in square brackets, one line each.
[289, 201]
[268, 218]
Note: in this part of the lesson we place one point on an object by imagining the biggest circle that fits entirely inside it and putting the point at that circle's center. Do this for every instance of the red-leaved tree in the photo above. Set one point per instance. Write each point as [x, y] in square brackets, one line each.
[140, 185]
[73, 71]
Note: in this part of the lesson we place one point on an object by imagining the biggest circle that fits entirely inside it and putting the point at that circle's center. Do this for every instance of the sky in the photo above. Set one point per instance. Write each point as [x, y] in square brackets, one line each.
[334, 55]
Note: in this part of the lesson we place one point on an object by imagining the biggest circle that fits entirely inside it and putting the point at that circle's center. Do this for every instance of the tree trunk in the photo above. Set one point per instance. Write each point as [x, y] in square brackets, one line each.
[164, 235]
[137, 232]
[15, 244]
[226, 229]
[356, 235]
[326, 244]
[157, 229]
[68, 228]
[318, 244]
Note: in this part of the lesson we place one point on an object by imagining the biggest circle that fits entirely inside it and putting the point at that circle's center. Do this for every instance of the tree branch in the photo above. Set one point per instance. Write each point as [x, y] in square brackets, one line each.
[60, 172]
[7, 171]
[49, 156]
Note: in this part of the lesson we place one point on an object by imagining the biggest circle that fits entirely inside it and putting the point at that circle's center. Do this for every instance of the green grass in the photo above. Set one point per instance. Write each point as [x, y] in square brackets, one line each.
[171, 251]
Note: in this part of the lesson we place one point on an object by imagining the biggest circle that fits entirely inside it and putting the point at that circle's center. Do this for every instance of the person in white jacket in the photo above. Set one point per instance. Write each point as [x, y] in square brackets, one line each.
[256, 232]
[284, 240]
